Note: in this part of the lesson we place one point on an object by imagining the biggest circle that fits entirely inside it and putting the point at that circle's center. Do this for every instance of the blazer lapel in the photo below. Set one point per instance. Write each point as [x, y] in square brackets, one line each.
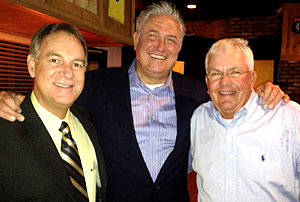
[42, 146]
[122, 103]
[184, 108]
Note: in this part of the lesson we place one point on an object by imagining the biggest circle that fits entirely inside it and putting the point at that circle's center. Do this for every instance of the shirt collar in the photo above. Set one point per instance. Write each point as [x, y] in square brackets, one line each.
[51, 122]
[134, 78]
[245, 112]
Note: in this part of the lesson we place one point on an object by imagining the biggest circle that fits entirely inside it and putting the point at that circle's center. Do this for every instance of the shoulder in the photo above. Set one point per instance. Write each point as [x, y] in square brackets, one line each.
[187, 80]
[104, 76]
[290, 107]
[105, 72]
[203, 109]
[192, 87]
[80, 112]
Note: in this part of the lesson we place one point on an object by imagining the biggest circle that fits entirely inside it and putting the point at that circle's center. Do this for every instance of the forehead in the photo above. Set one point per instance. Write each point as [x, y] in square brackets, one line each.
[228, 60]
[163, 23]
[61, 38]
[62, 42]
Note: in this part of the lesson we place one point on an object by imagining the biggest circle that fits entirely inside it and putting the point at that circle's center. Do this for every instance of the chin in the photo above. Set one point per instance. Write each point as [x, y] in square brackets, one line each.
[66, 101]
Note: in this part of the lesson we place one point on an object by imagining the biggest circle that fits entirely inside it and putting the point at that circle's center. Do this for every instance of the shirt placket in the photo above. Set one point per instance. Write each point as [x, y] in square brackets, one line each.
[152, 135]
[230, 159]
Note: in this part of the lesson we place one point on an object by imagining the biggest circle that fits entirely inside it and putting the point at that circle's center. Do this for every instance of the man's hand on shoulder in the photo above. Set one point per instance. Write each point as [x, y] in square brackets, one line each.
[10, 106]
[271, 94]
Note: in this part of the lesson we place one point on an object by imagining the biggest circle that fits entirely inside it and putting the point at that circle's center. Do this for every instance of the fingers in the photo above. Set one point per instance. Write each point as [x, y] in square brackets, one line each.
[8, 108]
[11, 116]
[259, 91]
[18, 98]
[272, 95]
[286, 97]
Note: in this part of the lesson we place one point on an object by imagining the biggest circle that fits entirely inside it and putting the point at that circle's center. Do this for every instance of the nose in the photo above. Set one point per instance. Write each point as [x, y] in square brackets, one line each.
[225, 79]
[161, 46]
[67, 71]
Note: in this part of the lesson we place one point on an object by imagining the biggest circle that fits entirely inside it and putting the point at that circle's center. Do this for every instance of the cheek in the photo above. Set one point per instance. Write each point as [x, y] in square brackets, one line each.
[211, 87]
[80, 75]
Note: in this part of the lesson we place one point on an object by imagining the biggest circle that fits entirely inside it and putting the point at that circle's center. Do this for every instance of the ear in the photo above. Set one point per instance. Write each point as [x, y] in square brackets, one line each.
[135, 39]
[253, 78]
[206, 80]
[31, 65]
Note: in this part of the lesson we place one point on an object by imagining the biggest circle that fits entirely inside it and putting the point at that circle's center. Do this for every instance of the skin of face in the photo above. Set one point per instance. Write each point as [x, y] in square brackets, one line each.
[229, 95]
[59, 72]
[157, 47]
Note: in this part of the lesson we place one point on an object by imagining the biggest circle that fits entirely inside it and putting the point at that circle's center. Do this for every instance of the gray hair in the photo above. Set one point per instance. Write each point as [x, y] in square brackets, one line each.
[231, 45]
[43, 32]
[160, 8]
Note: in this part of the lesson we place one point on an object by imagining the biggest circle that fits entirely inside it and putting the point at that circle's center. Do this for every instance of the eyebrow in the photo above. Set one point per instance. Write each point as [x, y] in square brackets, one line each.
[229, 69]
[51, 53]
[156, 31]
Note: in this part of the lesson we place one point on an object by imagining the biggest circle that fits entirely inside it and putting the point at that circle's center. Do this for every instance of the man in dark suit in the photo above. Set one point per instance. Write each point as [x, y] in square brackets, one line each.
[31, 154]
[142, 113]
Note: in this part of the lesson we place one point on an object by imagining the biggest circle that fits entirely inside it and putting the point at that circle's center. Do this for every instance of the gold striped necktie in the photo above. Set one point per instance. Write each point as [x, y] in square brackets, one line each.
[70, 155]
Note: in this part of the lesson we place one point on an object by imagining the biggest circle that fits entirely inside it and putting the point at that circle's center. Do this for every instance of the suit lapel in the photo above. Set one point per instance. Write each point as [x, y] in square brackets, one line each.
[39, 141]
[122, 103]
[183, 110]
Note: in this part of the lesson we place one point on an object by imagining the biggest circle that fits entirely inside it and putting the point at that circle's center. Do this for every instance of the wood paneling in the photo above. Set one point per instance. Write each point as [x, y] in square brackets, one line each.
[210, 29]
[23, 18]
[290, 44]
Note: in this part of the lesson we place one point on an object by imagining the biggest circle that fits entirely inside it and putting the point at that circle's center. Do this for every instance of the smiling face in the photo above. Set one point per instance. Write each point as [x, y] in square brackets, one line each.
[59, 72]
[229, 95]
[157, 47]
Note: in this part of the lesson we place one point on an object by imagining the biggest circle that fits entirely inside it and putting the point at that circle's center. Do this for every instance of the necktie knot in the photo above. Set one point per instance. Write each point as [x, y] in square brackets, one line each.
[65, 129]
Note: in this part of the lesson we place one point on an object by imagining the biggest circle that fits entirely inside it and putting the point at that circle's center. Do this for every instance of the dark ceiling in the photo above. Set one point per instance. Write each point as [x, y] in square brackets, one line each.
[222, 10]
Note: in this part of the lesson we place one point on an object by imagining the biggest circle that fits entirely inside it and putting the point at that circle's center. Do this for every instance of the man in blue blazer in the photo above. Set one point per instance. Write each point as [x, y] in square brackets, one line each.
[142, 113]
[106, 96]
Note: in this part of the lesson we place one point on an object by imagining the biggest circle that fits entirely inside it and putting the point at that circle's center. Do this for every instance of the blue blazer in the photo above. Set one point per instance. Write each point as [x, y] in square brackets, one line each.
[31, 169]
[106, 97]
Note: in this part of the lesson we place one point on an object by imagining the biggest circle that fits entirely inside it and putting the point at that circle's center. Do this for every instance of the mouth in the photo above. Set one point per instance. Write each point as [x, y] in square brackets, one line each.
[227, 92]
[158, 56]
[63, 85]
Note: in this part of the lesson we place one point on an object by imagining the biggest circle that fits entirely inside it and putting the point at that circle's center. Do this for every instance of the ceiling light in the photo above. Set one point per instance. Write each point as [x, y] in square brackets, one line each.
[191, 6]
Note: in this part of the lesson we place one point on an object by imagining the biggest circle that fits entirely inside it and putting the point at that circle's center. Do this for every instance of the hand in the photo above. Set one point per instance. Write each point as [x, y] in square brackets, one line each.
[271, 94]
[10, 106]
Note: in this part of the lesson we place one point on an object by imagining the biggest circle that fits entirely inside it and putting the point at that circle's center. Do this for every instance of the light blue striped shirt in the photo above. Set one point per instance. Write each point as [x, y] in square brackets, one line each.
[254, 158]
[154, 118]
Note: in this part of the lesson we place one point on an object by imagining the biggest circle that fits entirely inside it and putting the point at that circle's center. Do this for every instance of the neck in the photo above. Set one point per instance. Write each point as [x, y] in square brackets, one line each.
[153, 79]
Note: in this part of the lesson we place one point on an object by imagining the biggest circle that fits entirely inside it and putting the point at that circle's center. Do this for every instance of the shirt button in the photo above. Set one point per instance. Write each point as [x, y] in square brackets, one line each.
[152, 96]
[153, 117]
[153, 163]
[230, 183]
[153, 139]
[231, 156]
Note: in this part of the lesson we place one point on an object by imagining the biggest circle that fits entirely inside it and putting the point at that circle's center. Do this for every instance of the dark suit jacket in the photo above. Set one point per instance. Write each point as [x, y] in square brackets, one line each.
[31, 169]
[106, 96]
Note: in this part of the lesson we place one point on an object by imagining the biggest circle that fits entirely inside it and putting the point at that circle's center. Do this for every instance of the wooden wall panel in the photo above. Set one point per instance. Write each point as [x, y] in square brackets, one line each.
[290, 44]
[210, 29]
[81, 14]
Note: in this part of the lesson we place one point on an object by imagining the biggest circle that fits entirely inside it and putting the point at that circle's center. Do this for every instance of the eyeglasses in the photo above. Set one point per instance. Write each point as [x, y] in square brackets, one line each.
[217, 75]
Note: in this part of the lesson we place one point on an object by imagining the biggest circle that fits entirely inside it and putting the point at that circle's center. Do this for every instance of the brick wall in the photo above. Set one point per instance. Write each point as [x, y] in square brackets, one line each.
[251, 27]
[288, 78]
[288, 72]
